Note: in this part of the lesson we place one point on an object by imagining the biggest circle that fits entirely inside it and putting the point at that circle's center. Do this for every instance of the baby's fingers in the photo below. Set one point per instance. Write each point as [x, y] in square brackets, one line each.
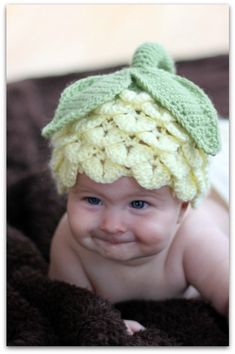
[133, 326]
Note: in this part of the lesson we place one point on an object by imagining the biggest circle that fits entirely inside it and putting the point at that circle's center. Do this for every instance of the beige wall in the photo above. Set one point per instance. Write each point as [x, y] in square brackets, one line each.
[51, 39]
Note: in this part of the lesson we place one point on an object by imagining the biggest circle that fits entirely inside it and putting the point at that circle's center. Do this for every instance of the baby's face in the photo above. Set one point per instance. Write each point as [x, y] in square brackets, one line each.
[122, 220]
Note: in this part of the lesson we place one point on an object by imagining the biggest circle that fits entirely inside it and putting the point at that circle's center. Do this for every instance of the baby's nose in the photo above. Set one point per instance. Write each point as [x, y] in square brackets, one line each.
[112, 222]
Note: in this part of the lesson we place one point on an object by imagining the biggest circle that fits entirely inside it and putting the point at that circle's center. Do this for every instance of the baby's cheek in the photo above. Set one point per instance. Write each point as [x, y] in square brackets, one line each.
[79, 224]
[152, 234]
[146, 231]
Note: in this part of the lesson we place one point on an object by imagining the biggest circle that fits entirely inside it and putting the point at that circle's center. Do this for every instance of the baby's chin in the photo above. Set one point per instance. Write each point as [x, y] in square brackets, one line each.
[128, 252]
[115, 251]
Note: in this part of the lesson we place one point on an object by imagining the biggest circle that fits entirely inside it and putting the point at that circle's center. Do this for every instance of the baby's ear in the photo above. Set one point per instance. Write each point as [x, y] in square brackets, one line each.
[182, 211]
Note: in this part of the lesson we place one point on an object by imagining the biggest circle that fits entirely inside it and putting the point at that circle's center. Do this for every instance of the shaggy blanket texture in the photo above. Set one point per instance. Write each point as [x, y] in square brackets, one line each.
[41, 312]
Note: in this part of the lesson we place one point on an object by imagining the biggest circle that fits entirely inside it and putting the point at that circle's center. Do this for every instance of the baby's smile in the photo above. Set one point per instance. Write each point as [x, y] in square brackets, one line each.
[114, 239]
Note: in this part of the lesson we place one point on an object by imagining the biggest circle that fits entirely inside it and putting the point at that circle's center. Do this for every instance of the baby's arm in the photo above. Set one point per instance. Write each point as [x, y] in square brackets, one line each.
[206, 266]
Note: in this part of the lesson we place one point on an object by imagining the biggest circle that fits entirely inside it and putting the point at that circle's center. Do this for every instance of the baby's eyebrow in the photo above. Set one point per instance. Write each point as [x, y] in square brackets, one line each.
[84, 189]
[160, 195]
[153, 194]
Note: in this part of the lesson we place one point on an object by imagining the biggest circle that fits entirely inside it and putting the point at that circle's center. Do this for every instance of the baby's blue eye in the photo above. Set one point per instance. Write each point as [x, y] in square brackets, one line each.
[138, 204]
[93, 200]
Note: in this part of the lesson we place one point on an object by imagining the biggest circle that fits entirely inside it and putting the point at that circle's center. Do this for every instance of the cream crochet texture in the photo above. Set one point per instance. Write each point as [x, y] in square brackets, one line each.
[131, 135]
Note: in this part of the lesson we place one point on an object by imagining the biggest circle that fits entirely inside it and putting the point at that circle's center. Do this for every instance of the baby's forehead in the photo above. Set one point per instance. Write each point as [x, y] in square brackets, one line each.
[121, 187]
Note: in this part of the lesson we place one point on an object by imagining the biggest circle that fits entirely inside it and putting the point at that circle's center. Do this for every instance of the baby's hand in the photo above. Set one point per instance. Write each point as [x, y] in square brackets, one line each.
[133, 326]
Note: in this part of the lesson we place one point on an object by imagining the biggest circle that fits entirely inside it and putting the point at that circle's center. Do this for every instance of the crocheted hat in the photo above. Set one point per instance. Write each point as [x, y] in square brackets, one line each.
[138, 119]
[152, 70]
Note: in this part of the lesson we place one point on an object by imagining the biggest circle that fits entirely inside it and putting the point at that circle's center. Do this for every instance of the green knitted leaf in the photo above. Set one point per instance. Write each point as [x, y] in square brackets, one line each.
[187, 103]
[83, 96]
[152, 70]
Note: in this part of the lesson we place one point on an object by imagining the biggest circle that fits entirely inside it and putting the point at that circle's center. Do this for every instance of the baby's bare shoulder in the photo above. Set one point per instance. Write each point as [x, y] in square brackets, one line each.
[65, 263]
[209, 218]
[201, 228]
[62, 227]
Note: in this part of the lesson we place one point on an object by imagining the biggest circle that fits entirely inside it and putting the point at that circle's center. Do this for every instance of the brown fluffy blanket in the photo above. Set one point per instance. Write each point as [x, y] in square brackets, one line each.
[41, 312]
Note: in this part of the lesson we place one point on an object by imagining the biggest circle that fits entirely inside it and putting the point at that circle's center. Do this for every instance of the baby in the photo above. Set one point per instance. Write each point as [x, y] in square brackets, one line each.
[131, 150]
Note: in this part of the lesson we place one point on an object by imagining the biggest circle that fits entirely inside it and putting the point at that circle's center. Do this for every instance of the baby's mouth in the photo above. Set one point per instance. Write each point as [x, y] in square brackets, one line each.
[115, 239]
